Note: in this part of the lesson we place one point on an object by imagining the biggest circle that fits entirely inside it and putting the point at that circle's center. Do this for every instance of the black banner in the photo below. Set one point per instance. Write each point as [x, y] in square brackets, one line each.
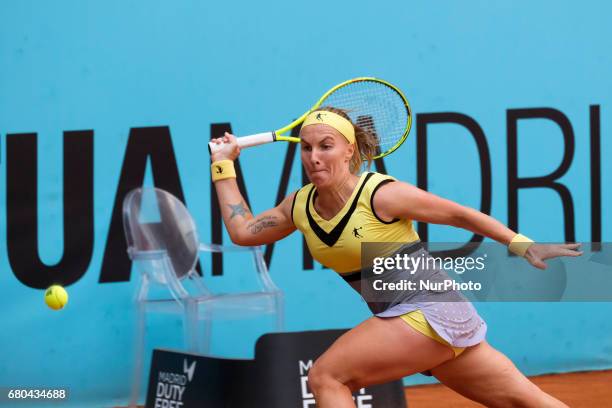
[277, 378]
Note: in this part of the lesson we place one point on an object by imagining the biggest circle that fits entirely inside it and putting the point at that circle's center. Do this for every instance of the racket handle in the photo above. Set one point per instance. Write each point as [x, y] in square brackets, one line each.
[246, 141]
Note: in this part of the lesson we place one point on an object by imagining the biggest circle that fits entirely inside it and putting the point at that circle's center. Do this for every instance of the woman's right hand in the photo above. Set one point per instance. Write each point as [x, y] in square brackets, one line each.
[230, 150]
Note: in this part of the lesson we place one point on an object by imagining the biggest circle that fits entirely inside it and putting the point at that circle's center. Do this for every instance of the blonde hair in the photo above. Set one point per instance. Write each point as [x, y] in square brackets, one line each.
[366, 142]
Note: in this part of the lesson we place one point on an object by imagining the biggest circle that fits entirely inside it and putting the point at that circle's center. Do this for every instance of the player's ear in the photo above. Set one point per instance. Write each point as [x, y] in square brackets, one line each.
[350, 151]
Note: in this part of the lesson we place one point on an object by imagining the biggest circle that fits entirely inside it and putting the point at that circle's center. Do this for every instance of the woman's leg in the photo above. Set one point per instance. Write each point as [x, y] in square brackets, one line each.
[376, 351]
[485, 375]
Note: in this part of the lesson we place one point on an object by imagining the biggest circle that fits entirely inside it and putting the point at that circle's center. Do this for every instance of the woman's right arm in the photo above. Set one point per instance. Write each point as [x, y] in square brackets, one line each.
[244, 228]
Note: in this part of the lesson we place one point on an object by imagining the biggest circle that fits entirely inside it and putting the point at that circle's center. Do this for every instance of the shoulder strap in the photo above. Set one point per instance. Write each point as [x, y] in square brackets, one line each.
[380, 181]
[299, 198]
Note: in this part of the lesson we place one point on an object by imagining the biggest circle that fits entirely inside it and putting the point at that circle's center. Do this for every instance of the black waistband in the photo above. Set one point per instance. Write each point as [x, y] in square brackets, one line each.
[366, 272]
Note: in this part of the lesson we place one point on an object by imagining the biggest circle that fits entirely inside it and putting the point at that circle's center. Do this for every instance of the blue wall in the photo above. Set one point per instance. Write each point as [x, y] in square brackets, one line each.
[115, 65]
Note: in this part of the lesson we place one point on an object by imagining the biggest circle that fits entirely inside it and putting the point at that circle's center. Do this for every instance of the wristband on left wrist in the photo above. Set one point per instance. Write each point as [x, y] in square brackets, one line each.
[520, 244]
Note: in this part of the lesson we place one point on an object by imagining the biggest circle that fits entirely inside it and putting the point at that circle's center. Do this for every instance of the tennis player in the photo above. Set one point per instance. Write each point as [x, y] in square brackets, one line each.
[435, 332]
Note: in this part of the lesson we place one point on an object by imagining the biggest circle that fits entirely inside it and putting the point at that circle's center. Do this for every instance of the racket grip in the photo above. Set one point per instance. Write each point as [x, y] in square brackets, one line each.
[246, 141]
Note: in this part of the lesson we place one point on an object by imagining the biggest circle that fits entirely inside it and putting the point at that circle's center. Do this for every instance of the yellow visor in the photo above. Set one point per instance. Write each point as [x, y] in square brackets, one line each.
[345, 127]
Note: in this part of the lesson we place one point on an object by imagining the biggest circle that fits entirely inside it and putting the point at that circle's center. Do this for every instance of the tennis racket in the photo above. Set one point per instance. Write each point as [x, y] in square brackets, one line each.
[371, 103]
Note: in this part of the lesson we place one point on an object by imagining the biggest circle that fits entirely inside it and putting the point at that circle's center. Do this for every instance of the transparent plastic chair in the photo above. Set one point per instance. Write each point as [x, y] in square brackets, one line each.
[163, 244]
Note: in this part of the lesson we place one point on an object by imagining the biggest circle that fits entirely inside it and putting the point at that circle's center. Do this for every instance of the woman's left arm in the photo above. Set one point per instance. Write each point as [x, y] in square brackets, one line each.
[403, 200]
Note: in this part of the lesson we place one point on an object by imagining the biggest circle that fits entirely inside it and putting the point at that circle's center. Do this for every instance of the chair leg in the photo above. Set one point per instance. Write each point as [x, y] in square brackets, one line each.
[206, 332]
[139, 346]
[190, 326]
[280, 312]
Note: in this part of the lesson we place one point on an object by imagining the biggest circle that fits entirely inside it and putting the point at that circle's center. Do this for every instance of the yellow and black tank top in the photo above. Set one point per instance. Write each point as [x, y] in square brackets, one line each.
[336, 243]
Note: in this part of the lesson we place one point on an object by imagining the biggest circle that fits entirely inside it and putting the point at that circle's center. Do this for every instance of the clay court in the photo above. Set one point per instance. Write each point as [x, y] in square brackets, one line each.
[578, 390]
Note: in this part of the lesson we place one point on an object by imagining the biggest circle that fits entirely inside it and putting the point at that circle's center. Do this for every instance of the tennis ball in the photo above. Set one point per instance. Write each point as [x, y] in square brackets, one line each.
[56, 297]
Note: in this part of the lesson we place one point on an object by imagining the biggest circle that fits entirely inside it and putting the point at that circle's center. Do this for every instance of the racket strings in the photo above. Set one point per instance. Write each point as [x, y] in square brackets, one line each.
[376, 108]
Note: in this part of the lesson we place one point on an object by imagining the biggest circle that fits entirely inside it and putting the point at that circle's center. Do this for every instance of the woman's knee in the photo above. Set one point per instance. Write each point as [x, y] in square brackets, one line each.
[320, 378]
[525, 395]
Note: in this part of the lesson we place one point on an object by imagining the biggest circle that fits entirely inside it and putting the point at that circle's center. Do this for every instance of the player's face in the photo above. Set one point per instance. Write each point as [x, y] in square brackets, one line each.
[325, 154]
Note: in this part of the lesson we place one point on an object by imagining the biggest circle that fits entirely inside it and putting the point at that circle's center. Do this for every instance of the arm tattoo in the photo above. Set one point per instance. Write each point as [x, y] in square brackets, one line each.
[264, 222]
[238, 209]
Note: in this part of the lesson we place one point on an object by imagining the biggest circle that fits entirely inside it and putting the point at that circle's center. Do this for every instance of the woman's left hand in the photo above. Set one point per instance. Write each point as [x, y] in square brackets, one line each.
[537, 253]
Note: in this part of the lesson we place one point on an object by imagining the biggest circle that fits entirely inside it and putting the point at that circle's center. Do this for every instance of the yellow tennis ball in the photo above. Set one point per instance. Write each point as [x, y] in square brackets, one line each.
[56, 297]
